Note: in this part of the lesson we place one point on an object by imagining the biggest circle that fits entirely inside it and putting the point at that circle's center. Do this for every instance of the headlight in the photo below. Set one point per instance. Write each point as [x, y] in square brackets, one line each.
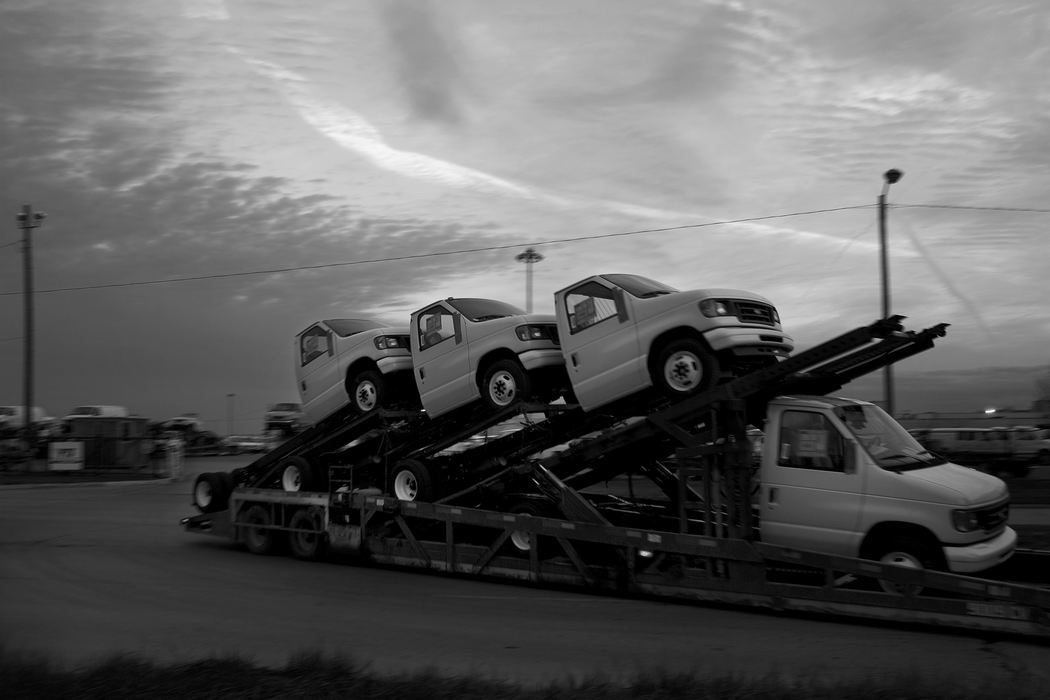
[965, 520]
[531, 332]
[385, 342]
[714, 307]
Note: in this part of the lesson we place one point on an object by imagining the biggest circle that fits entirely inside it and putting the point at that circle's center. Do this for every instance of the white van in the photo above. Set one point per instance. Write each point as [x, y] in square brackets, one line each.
[97, 412]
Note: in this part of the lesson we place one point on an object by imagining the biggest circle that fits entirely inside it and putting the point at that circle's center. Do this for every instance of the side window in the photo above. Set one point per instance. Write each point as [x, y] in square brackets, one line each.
[435, 325]
[809, 441]
[588, 304]
[313, 343]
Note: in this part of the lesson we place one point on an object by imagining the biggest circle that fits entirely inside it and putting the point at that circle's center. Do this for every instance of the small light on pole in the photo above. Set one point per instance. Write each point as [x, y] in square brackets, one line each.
[890, 176]
[529, 257]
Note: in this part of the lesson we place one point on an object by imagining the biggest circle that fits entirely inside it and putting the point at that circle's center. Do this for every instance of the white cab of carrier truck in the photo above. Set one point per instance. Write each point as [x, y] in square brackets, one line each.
[841, 476]
[622, 334]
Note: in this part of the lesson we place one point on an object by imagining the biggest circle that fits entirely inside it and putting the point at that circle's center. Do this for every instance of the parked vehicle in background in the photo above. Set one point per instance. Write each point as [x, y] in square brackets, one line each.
[1003, 450]
[466, 350]
[239, 444]
[286, 418]
[185, 422]
[12, 420]
[358, 361]
[622, 334]
[96, 411]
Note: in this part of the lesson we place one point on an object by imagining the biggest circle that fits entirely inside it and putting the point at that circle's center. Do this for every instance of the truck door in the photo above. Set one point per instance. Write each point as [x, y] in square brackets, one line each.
[441, 365]
[601, 346]
[320, 380]
[812, 493]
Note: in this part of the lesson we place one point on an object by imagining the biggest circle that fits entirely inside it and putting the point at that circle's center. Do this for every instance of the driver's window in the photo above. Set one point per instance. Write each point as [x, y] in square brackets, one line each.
[434, 325]
[588, 304]
[313, 344]
[808, 440]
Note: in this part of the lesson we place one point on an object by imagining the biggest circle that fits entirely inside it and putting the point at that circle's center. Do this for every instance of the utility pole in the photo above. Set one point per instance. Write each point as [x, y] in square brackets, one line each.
[229, 413]
[529, 257]
[27, 221]
[890, 176]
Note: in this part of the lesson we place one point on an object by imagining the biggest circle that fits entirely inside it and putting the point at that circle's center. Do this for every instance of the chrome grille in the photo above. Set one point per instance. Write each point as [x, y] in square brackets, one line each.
[994, 517]
[754, 312]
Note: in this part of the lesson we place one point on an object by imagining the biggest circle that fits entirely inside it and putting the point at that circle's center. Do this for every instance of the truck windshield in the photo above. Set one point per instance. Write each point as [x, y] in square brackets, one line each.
[888, 443]
[484, 309]
[349, 326]
[641, 287]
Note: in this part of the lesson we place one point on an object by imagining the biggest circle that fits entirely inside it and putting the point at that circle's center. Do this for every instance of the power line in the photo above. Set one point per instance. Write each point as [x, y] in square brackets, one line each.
[461, 251]
[5, 245]
[961, 206]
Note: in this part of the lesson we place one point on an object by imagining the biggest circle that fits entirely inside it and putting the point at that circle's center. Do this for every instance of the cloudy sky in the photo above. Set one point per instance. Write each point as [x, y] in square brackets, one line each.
[219, 173]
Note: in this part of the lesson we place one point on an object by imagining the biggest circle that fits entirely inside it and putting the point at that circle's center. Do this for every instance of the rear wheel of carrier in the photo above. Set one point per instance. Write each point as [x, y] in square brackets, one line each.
[684, 367]
[521, 542]
[504, 384]
[411, 481]
[367, 391]
[256, 530]
[297, 475]
[307, 539]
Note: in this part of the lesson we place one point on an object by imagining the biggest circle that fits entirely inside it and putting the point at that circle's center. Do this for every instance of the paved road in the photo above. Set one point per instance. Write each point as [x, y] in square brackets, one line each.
[89, 570]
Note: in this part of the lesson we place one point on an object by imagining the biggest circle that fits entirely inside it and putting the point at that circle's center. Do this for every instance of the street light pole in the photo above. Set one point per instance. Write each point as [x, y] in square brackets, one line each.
[890, 177]
[27, 221]
[229, 413]
[529, 257]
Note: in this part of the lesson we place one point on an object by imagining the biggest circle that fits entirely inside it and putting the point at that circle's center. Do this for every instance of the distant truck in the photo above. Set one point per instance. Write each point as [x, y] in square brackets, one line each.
[285, 418]
[1010, 451]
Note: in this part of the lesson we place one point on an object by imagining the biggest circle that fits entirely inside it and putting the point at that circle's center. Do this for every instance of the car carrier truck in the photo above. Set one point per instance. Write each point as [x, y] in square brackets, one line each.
[845, 513]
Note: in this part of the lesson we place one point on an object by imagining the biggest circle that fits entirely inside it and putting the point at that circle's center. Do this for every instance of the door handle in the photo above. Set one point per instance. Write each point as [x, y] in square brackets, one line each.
[772, 496]
[575, 360]
[303, 385]
[421, 373]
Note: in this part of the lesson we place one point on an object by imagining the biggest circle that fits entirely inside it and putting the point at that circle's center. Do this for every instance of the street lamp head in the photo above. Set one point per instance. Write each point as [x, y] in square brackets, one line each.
[892, 176]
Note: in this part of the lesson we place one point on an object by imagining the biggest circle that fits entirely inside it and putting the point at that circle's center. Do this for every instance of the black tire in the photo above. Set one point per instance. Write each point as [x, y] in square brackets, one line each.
[256, 530]
[297, 474]
[504, 384]
[521, 542]
[366, 391]
[307, 539]
[910, 552]
[683, 367]
[211, 491]
[411, 480]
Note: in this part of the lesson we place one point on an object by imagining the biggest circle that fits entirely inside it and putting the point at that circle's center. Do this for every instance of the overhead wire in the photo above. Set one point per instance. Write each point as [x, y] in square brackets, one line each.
[434, 254]
[506, 246]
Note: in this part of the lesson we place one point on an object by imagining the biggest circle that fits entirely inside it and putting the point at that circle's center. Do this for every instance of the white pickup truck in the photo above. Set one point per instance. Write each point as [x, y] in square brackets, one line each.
[841, 476]
[621, 334]
[468, 350]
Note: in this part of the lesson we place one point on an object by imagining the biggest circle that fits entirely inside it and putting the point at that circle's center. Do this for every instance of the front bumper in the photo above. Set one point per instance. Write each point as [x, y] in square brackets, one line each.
[971, 558]
[750, 341]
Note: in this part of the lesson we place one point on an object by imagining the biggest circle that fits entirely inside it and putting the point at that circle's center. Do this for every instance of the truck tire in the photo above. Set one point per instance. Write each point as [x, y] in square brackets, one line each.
[684, 367]
[307, 540]
[909, 552]
[411, 480]
[256, 530]
[521, 542]
[211, 491]
[297, 475]
[504, 384]
[367, 391]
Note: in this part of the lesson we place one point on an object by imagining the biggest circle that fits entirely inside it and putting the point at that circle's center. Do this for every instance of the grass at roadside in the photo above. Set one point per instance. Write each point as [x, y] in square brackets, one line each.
[315, 676]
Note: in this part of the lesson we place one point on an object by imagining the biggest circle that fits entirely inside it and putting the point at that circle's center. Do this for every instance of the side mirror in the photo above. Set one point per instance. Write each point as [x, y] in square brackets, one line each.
[457, 325]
